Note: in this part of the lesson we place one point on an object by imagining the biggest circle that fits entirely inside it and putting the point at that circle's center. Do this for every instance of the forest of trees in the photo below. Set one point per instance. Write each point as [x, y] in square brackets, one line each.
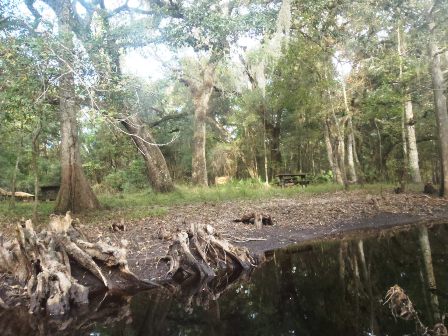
[346, 91]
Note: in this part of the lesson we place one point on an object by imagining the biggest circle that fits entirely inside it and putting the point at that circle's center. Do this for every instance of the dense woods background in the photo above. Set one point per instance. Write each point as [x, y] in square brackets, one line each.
[347, 91]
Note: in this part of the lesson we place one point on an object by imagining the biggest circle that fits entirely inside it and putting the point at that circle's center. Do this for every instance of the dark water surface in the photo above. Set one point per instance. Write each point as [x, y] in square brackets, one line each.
[323, 288]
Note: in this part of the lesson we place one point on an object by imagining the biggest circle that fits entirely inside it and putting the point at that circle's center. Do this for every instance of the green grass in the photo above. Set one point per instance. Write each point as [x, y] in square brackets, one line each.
[132, 206]
[23, 209]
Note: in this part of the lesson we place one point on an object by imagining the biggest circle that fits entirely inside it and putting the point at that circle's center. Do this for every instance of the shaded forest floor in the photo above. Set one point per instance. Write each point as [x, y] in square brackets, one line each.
[298, 216]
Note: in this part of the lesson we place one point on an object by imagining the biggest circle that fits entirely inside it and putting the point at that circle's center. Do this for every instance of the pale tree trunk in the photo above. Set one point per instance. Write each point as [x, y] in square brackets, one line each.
[12, 202]
[440, 104]
[157, 169]
[410, 151]
[337, 177]
[425, 247]
[260, 82]
[201, 97]
[405, 149]
[412, 143]
[35, 165]
[75, 193]
[351, 156]
[340, 149]
[350, 140]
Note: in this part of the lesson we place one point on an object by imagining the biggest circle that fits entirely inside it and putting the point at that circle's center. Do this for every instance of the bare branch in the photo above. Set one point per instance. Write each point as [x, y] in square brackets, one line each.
[441, 51]
[34, 11]
[167, 117]
[223, 133]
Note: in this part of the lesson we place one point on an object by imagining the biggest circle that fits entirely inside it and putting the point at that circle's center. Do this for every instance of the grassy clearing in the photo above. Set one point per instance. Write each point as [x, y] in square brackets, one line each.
[148, 204]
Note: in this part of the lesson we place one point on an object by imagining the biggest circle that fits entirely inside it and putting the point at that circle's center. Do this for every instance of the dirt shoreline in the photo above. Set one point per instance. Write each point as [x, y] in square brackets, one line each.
[298, 219]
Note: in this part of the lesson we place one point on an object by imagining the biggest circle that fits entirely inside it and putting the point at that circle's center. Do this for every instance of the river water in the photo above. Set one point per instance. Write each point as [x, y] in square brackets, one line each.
[332, 287]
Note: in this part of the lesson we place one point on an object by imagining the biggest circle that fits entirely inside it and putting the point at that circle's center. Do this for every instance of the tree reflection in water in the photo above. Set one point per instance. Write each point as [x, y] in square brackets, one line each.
[332, 287]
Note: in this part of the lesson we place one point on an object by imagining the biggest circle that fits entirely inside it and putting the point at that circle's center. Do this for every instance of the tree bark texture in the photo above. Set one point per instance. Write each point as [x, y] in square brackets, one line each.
[440, 105]
[412, 142]
[337, 177]
[75, 193]
[410, 150]
[158, 173]
[350, 140]
[35, 167]
[201, 97]
[351, 158]
[339, 151]
[14, 182]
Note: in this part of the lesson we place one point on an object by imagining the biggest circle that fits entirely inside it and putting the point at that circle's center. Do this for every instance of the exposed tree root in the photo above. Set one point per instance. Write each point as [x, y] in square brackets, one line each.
[43, 261]
[201, 252]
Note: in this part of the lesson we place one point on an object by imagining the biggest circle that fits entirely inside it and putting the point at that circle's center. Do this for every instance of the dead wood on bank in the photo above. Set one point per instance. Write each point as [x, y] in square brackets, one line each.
[258, 219]
[43, 263]
[202, 252]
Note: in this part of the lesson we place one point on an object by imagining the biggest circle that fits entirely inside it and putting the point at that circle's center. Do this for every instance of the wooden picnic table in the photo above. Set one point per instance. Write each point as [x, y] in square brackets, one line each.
[287, 179]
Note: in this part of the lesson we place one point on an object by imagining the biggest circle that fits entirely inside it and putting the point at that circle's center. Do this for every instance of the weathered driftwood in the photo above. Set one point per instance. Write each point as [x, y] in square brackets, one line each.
[202, 252]
[258, 219]
[43, 262]
[401, 307]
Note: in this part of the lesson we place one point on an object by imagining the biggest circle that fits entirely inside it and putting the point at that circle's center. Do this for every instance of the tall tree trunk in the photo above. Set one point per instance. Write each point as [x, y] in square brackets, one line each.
[412, 142]
[351, 158]
[274, 148]
[339, 147]
[158, 173]
[201, 97]
[440, 104]
[350, 139]
[340, 150]
[410, 151]
[35, 165]
[75, 193]
[337, 177]
[12, 202]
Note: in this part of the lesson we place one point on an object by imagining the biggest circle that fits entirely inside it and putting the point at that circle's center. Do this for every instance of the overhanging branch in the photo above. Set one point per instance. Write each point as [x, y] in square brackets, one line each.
[167, 117]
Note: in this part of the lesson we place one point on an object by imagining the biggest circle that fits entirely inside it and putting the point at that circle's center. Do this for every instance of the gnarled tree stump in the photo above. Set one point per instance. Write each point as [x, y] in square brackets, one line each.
[43, 261]
[201, 251]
